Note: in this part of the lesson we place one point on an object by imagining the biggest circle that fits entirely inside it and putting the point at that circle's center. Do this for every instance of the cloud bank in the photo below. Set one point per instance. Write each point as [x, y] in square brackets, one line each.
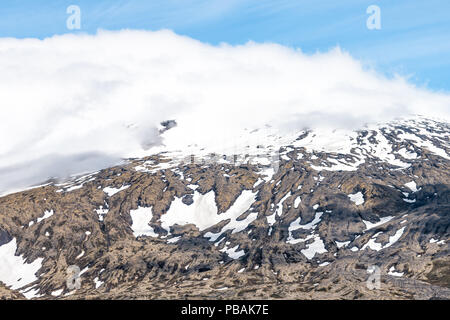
[105, 95]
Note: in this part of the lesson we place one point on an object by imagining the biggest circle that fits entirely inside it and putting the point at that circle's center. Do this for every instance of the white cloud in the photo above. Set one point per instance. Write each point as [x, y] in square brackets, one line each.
[73, 95]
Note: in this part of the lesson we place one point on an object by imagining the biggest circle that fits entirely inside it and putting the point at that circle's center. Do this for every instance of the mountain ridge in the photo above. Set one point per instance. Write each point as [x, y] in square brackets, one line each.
[300, 216]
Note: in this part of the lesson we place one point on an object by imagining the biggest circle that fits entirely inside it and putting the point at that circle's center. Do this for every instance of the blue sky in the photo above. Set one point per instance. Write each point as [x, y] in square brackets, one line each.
[414, 39]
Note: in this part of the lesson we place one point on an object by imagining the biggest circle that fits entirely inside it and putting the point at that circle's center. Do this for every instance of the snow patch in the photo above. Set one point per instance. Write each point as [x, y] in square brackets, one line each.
[412, 185]
[357, 198]
[314, 248]
[392, 272]
[141, 218]
[342, 244]
[14, 271]
[233, 253]
[110, 191]
[383, 220]
[47, 214]
[203, 213]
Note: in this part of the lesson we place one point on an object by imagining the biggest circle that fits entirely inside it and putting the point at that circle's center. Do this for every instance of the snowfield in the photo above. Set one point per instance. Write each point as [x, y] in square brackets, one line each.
[14, 270]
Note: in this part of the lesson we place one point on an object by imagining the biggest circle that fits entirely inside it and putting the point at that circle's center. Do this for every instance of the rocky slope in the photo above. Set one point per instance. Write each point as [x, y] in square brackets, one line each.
[301, 217]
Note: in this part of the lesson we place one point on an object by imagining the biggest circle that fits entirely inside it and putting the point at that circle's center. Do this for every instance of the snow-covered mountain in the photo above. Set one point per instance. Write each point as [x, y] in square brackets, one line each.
[298, 213]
